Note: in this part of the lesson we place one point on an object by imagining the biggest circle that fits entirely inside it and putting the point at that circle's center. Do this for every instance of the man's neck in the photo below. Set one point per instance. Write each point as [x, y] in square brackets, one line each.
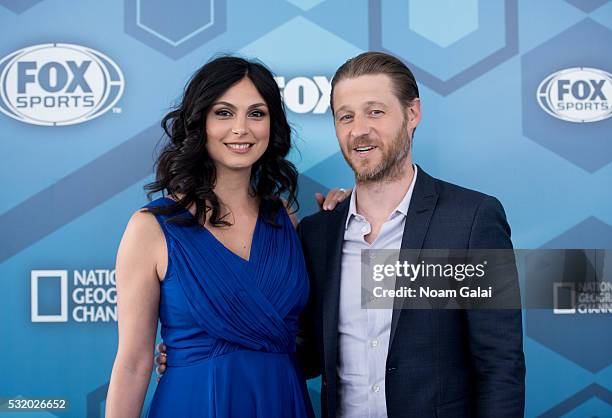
[376, 200]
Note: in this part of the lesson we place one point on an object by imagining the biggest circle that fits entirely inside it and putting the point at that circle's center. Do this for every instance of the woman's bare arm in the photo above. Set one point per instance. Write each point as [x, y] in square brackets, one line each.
[142, 246]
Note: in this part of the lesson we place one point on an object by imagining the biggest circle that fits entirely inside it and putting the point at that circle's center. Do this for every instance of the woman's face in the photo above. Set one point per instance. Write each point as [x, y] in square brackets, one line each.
[238, 127]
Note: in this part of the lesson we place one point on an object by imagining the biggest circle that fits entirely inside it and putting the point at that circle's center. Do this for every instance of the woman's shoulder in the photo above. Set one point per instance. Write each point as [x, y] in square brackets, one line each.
[159, 202]
[142, 237]
[143, 225]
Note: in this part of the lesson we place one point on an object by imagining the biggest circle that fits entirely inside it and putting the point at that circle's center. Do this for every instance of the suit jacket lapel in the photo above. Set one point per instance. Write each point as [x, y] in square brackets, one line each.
[331, 296]
[422, 205]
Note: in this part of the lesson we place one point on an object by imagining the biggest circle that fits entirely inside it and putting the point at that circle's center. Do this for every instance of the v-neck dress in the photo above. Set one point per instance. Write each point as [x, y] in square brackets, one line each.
[230, 324]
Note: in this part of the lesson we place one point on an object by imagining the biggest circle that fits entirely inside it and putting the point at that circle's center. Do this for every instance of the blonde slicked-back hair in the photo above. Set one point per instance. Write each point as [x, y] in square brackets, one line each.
[372, 63]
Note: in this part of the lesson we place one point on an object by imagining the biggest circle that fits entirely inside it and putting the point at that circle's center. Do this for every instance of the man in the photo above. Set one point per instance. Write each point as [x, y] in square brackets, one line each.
[401, 363]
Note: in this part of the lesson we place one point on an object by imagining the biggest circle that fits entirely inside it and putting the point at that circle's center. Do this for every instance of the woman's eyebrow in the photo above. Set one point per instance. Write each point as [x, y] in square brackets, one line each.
[227, 104]
[231, 106]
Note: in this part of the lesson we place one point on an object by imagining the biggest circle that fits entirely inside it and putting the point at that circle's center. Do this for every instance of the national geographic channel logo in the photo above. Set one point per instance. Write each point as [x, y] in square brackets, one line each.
[58, 84]
[85, 296]
[582, 298]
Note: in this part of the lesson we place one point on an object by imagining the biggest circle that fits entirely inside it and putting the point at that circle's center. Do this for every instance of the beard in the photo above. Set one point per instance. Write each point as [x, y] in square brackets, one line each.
[392, 162]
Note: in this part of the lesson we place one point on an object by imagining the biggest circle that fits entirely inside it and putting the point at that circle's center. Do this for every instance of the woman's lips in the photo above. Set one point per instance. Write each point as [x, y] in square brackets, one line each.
[239, 148]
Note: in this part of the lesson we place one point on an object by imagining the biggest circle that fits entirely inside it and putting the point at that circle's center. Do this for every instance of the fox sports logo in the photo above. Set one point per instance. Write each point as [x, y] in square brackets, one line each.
[58, 84]
[577, 94]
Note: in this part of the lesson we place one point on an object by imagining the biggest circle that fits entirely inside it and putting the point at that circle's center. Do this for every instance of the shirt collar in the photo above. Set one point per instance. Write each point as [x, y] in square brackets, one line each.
[402, 207]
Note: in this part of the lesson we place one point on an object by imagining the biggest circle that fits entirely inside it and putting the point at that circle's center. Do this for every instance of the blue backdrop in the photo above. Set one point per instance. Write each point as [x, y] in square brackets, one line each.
[77, 142]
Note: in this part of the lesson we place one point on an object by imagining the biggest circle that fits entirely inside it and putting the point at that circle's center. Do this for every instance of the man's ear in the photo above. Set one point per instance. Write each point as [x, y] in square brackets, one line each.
[413, 112]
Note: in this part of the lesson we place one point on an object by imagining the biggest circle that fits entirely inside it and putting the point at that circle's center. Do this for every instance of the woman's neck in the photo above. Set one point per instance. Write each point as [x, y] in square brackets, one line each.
[233, 188]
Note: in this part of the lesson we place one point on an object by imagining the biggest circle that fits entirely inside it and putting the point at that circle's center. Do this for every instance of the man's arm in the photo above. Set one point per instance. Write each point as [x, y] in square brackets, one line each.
[496, 336]
[307, 352]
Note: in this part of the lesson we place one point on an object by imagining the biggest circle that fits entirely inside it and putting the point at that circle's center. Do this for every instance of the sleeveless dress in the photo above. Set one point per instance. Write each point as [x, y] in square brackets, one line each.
[230, 324]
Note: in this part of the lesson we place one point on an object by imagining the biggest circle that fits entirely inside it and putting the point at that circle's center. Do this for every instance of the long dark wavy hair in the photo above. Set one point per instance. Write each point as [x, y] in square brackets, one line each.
[184, 167]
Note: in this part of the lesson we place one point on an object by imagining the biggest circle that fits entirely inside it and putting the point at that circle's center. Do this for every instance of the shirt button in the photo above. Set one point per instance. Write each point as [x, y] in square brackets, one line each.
[374, 343]
[376, 388]
[364, 229]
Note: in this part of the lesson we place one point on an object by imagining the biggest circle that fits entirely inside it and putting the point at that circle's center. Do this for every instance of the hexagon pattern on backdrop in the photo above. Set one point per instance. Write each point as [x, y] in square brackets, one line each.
[588, 145]
[587, 6]
[448, 67]
[72, 189]
[19, 6]
[172, 29]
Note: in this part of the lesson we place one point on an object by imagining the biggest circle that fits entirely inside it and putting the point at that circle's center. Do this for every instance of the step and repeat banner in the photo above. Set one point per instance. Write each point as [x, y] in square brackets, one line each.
[516, 101]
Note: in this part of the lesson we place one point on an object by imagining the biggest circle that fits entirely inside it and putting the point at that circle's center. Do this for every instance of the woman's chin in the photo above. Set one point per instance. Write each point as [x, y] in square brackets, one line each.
[237, 165]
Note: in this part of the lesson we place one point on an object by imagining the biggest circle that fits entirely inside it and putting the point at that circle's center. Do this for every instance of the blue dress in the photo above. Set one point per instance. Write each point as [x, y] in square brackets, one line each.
[230, 324]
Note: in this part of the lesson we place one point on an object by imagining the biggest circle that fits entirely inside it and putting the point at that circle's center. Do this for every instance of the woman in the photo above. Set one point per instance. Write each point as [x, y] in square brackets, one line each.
[217, 261]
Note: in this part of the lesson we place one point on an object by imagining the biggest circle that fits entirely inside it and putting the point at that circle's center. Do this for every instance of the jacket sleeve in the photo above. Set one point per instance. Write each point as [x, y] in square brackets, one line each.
[307, 352]
[496, 335]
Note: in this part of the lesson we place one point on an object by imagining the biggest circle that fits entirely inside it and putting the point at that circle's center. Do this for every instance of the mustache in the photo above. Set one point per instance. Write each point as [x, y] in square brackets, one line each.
[363, 141]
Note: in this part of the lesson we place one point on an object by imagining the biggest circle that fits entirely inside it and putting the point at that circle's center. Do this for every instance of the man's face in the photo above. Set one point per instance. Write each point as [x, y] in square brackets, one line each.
[373, 128]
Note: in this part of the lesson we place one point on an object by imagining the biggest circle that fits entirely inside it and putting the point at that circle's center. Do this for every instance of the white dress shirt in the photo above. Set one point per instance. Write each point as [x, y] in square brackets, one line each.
[363, 334]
